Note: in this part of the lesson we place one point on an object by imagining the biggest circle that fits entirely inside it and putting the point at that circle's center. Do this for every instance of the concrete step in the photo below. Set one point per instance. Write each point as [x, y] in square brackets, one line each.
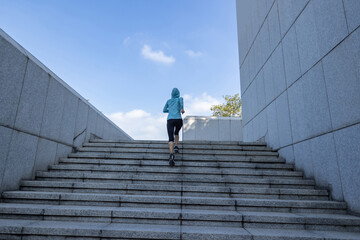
[36, 229]
[126, 190]
[122, 215]
[166, 170]
[175, 190]
[175, 202]
[182, 151]
[211, 180]
[190, 164]
[178, 157]
[186, 143]
[185, 217]
[181, 146]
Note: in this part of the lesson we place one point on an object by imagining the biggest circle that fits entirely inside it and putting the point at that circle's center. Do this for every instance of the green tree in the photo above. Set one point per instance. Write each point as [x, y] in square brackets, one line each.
[232, 107]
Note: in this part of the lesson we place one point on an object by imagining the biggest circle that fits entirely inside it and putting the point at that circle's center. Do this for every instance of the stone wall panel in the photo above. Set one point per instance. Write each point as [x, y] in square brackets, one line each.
[32, 101]
[12, 70]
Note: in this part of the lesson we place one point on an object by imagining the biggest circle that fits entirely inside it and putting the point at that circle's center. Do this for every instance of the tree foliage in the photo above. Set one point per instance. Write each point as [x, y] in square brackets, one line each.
[232, 107]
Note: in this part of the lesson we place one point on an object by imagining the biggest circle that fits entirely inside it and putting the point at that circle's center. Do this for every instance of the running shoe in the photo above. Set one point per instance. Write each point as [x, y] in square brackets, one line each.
[176, 149]
[172, 160]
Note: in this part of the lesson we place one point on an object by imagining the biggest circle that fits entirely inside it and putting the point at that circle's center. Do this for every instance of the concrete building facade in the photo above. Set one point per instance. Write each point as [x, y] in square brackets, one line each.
[300, 86]
[41, 117]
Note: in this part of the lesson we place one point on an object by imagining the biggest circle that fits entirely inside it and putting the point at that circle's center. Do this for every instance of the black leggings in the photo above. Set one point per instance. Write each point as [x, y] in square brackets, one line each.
[173, 124]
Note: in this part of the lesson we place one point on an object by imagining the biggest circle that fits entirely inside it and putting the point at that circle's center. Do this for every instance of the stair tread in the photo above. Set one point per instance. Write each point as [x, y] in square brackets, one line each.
[178, 199]
[314, 218]
[66, 228]
[203, 178]
[218, 190]
[170, 187]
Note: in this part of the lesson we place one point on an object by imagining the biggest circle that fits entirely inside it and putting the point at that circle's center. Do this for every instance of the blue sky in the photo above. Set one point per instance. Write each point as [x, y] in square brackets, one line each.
[125, 56]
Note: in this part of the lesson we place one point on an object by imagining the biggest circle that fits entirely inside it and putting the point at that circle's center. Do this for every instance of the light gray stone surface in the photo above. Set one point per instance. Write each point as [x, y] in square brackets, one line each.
[268, 82]
[53, 112]
[283, 120]
[274, 26]
[306, 36]
[205, 128]
[225, 129]
[347, 143]
[326, 168]
[341, 69]
[330, 23]
[247, 130]
[13, 226]
[265, 234]
[319, 28]
[32, 100]
[37, 104]
[262, 127]
[91, 126]
[260, 91]
[64, 228]
[62, 151]
[288, 154]
[196, 232]
[81, 123]
[45, 154]
[288, 11]
[68, 118]
[272, 136]
[107, 130]
[20, 160]
[303, 158]
[309, 109]
[255, 132]
[128, 231]
[5, 139]
[263, 49]
[12, 70]
[291, 56]
[352, 9]
[253, 105]
[254, 64]
[244, 76]
[99, 125]
[278, 198]
[297, 111]
[212, 128]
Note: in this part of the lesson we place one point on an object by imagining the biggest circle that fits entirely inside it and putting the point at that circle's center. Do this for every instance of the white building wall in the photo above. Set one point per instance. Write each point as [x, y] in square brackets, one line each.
[212, 128]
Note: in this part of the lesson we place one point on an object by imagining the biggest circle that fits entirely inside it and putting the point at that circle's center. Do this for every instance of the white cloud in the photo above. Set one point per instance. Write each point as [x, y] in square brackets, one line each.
[199, 106]
[191, 53]
[126, 40]
[157, 56]
[140, 124]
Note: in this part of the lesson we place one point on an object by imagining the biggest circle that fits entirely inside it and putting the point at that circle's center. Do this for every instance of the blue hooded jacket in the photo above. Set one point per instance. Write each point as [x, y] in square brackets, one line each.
[174, 105]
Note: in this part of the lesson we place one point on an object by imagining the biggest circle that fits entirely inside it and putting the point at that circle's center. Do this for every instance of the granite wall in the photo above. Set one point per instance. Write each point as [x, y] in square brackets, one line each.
[300, 86]
[41, 117]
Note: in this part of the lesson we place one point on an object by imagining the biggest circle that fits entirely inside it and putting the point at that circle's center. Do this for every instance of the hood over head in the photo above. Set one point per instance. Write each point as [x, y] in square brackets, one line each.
[175, 93]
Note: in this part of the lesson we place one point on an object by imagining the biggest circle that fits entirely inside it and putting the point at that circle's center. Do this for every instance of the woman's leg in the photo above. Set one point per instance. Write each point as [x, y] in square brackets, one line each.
[170, 130]
[171, 147]
[178, 125]
[176, 140]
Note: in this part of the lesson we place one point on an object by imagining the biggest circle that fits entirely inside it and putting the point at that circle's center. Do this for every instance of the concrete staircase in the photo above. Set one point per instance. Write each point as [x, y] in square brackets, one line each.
[217, 190]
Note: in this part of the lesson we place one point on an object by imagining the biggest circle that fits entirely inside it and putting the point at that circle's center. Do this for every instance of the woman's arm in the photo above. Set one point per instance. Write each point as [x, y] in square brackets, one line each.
[166, 108]
[182, 105]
